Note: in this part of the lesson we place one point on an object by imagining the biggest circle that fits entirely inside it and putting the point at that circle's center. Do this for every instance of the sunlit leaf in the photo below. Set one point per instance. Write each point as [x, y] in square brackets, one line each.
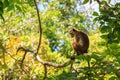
[85, 1]
[104, 36]
[18, 7]
[95, 14]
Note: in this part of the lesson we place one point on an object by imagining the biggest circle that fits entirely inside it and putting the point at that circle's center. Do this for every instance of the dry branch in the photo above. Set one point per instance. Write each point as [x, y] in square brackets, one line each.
[54, 64]
[45, 63]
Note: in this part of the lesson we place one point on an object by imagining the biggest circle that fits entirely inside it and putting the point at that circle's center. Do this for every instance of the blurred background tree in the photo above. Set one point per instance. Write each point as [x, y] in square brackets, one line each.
[100, 19]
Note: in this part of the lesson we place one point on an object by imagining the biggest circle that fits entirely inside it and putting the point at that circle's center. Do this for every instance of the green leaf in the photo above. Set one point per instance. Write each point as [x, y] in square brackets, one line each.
[90, 1]
[87, 58]
[18, 7]
[80, 57]
[105, 36]
[1, 4]
[1, 10]
[11, 7]
[96, 19]
[6, 3]
[105, 29]
[95, 14]
[85, 1]
[1, 17]
[109, 1]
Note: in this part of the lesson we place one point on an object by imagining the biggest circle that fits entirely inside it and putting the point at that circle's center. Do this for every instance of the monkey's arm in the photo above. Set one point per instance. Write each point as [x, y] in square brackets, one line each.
[77, 38]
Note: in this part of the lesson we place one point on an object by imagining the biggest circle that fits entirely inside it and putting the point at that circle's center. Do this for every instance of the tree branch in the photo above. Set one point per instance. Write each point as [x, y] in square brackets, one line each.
[45, 63]
[40, 27]
[23, 58]
[98, 1]
[45, 73]
[54, 64]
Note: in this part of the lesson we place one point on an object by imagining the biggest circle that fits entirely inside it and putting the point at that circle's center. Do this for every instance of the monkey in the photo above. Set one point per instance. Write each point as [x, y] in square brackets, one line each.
[80, 43]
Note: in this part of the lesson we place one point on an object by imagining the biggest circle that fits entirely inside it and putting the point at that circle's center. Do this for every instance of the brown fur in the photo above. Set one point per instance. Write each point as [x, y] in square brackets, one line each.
[81, 41]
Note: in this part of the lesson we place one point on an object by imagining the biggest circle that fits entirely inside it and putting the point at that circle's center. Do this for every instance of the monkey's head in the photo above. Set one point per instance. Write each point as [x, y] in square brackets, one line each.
[73, 32]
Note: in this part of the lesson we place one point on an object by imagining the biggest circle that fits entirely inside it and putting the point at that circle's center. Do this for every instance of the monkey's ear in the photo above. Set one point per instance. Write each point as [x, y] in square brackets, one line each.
[74, 29]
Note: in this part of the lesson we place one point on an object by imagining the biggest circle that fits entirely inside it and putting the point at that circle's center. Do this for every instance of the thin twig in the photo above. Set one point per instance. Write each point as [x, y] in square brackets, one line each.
[89, 71]
[12, 56]
[40, 27]
[23, 58]
[21, 65]
[25, 71]
[45, 73]
[23, 49]
[71, 66]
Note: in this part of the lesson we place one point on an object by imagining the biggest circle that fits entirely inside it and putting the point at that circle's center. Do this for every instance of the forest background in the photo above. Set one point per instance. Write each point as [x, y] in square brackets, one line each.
[19, 27]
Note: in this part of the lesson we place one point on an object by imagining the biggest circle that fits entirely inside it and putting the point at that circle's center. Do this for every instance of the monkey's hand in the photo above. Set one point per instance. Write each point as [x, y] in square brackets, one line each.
[73, 56]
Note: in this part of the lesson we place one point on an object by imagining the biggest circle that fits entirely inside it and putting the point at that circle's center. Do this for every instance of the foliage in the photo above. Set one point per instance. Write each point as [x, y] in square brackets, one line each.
[18, 27]
[110, 22]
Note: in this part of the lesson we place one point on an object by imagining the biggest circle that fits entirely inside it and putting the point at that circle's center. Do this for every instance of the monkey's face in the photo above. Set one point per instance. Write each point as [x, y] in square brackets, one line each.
[72, 32]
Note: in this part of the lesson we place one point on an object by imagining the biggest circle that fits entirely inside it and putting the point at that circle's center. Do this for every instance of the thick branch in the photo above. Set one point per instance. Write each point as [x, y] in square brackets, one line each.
[53, 64]
[45, 62]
